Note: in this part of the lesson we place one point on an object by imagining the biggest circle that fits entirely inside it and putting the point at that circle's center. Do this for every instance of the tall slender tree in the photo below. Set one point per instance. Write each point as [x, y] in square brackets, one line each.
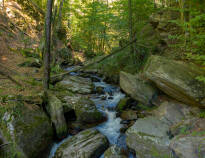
[47, 45]
[130, 25]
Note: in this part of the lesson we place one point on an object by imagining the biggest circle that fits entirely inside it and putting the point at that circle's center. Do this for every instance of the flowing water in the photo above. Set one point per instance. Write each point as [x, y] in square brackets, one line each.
[105, 103]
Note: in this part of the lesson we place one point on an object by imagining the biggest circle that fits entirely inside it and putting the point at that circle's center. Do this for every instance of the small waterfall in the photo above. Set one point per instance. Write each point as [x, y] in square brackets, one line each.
[105, 103]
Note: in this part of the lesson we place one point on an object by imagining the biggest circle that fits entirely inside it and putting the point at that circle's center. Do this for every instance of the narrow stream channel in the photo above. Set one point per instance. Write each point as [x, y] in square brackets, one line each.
[105, 103]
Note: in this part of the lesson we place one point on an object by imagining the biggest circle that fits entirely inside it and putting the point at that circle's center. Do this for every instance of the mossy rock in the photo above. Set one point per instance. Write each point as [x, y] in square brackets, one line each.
[55, 110]
[122, 105]
[84, 108]
[28, 129]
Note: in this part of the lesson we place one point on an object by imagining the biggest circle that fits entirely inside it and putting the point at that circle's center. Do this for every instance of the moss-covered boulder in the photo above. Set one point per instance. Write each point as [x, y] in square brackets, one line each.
[26, 129]
[55, 110]
[177, 79]
[149, 138]
[114, 152]
[87, 144]
[85, 109]
[76, 84]
[137, 88]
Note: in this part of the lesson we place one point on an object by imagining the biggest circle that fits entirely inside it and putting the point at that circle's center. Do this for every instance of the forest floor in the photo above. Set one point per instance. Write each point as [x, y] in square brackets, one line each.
[17, 31]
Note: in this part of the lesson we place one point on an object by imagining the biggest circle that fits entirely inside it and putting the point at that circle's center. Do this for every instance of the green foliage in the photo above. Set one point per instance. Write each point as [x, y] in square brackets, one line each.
[202, 114]
[56, 69]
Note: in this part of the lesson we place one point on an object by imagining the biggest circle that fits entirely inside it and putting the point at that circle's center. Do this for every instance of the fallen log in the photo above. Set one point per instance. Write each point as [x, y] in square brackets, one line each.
[95, 62]
[10, 78]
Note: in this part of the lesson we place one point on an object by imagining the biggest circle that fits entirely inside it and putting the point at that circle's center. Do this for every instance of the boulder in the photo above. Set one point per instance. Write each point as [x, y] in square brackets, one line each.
[27, 129]
[114, 152]
[129, 115]
[76, 84]
[193, 125]
[189, 146]
[137, 88]
[55, 110]
[149, 138]
[177, 79]
[87, 144]
[172, 112]
[85, 109]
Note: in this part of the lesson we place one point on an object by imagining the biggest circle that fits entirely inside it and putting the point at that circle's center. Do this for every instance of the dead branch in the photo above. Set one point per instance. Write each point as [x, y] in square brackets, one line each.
[10, 78]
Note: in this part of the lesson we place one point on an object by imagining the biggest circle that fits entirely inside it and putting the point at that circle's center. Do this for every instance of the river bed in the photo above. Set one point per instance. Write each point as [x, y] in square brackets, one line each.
[105, 103]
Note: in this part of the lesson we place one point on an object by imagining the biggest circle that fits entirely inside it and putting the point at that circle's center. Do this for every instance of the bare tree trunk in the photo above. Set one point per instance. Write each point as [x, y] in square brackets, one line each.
[60, 14]
[130, 26]
[47, 45]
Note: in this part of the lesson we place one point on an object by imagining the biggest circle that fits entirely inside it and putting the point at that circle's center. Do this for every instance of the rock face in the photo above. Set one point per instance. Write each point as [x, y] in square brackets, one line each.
[87, 144]
[114, 152]
[55, 110]
[84, 108]
[76, 84]
[28, 128]
[189, 146]
[177, 79]
[137, 88]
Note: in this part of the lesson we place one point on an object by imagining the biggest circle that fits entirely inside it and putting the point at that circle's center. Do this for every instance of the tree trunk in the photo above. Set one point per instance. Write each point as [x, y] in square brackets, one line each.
[130, 26]
[60, 14]
[47, 45]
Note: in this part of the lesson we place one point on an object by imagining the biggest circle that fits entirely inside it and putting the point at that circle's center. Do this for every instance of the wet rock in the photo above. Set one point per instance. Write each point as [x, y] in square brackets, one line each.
[56, 79]
[137, 88]
[104, 97]
[84, 108]
[129, 115]
[177, 79]
[87, 144]
[110, 97]
[189, 146]
[114, 152]
[100, 90]
[28, 127]
[76, 84]
[149, 138]
[55, 110]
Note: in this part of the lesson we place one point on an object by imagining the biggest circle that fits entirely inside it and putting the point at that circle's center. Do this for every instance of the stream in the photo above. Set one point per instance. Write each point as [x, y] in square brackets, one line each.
[105, 103]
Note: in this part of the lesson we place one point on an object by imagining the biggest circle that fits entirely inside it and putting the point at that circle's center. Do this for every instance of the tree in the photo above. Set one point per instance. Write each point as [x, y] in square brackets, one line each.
[47, 45]
[130, 25]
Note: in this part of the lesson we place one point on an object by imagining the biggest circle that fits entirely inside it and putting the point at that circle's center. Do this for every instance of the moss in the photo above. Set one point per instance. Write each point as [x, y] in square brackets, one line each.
[202, 114]
[157, 154]
[122, 104]
[198, 133]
